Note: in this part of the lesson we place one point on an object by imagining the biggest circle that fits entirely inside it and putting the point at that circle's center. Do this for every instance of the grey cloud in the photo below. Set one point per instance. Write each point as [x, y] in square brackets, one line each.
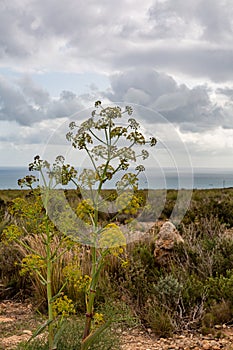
[13, 105]
[27, 103]
[67, 104]
[79, 26]
[11, 32]
[216, 18]
[146, 81]
[227, 120]
[190, 109]
[170, 18]
[196, 118]
[210, 20]
[171, 101]
[33, 92]
[212, 63]
[88, 19]
[192, 37]
[227, 91]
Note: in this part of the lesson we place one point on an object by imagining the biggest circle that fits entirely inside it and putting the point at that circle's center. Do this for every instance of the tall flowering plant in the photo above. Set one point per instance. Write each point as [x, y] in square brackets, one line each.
[112, 149]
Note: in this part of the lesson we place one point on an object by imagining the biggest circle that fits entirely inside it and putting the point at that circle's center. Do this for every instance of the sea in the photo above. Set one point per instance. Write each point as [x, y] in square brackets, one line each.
[153, 178]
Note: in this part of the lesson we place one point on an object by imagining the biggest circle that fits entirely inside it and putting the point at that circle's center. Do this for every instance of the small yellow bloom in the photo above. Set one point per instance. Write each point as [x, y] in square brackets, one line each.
[124, 263]
[98, 319]
[63, 306]
[32, 262]
[11, 233]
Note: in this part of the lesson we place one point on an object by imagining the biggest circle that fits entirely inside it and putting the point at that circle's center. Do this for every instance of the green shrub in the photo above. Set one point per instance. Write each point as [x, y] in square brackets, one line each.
[160, 321]
[14, 284]
[223, 258]
[135, 282]
[168, 291]
[221, 287]
[218, 202]
[217, 314]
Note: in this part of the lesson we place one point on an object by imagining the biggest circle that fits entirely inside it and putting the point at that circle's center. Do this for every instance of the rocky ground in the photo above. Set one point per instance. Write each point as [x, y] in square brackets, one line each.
[139, 340]
[17, 320]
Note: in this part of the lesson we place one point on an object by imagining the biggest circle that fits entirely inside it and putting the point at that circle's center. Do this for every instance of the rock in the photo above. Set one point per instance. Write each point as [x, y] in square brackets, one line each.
[218, 326]
[4, 319]
[228, 234]
[206, 345]
[168, 236]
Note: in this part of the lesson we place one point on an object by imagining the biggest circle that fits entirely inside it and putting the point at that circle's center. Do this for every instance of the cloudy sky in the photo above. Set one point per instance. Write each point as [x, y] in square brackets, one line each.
[173, 58]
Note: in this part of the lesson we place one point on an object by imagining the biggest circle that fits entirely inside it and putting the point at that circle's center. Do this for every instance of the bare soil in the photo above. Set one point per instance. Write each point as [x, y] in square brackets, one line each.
[18, 320]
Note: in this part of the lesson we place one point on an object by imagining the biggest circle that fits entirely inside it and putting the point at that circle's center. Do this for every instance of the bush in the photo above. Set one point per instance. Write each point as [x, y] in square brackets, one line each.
[168, 291]
[218, 313]
[13, 284]
[160, 321]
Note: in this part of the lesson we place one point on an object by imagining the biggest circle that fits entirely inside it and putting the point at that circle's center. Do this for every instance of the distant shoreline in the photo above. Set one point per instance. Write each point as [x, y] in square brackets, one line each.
[153, 178]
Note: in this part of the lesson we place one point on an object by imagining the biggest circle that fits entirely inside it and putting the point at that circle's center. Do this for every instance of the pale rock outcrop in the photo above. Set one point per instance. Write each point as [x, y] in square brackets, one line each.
[167, 237]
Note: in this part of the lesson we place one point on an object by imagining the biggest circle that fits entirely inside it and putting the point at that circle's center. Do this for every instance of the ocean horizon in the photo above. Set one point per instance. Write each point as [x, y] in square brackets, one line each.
[153, 178]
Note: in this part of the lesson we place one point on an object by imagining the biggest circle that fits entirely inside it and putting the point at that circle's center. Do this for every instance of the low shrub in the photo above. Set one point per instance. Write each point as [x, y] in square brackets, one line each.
[160, 321]
[218, 313]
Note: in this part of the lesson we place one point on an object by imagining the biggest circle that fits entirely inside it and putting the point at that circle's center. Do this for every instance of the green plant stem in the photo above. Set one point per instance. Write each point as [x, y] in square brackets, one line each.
[88, 338]
[49, 275]
[49, 287]
[96, 267]
[90, 296]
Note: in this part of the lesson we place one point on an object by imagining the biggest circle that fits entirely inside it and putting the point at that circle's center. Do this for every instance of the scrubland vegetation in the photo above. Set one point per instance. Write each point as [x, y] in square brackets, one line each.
[194, 290]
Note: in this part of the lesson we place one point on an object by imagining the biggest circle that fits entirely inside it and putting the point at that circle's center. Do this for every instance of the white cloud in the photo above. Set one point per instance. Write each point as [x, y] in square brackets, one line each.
[194, 38]
[144, 47]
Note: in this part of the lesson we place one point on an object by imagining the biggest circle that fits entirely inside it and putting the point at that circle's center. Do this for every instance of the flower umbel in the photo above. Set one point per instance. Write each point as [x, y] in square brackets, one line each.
[111, 237]
[63, 306]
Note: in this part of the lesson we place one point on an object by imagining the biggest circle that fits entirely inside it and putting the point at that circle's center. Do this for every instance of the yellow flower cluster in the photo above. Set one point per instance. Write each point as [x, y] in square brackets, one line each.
[128, 203]
[124, 263]
[30, 214]
[63, 306]
[11, 233]
[27, 208]
[74, 276]
[82, 283]
[85, 210]
[112, 238]
[98, 319]
[32, 262]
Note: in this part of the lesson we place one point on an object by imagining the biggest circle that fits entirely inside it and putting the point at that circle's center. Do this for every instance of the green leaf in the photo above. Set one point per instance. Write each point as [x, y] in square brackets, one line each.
[90, 339]
[58, 334]
[40, 329]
